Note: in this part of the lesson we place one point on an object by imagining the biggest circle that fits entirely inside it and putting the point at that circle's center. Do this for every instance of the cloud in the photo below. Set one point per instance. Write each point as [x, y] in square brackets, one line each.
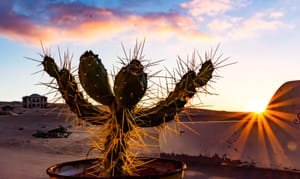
[256, 24]
[226, 21]
[237, 28]
[276, 14]
[59, 22]
[53, 22]
[18, 26]
[200, 8]
[219, 25]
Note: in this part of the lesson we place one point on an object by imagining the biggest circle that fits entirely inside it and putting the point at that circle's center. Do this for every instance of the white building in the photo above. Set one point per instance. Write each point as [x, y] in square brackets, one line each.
[34, 101]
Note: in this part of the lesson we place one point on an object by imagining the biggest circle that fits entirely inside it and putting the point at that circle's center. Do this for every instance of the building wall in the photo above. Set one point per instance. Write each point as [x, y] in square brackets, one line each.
[34, 101]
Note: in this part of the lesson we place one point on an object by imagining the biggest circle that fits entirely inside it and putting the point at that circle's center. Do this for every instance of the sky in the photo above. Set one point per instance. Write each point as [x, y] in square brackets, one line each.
[261, 37]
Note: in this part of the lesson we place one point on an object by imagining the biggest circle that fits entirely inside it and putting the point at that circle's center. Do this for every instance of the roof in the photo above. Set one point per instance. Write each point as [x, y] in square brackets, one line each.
[35, 95]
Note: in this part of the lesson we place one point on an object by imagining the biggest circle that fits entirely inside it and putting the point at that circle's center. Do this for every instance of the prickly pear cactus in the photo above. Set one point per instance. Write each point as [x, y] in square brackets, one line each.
[121, 118]
[94, 79]
[130, 84]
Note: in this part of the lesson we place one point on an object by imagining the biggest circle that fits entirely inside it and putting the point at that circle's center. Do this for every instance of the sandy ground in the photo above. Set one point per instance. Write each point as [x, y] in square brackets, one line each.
[25, 156]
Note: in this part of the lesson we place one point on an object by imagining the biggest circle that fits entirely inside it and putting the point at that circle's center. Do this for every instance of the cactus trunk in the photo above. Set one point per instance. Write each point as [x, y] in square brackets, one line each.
[116, 147]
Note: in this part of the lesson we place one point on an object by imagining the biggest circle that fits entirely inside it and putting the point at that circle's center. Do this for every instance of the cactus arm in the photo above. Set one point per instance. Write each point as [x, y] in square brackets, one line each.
[185, 89]
[69, 90]
[50, 67]
[94, 79]
[204, 74]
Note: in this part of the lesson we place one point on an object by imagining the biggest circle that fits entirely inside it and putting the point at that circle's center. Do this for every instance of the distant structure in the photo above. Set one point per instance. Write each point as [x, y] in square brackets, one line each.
[34, 101]
[7, 108]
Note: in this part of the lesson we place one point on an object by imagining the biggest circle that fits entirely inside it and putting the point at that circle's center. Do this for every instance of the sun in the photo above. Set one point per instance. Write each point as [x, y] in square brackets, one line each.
[256, 105]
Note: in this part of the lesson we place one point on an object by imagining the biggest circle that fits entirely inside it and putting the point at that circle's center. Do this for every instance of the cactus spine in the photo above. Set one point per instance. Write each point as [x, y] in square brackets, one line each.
[121, 118]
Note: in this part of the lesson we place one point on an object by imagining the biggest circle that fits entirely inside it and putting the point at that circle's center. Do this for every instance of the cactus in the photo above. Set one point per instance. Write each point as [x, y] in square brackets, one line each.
[122, 116]
[130, 84]
[93, 78]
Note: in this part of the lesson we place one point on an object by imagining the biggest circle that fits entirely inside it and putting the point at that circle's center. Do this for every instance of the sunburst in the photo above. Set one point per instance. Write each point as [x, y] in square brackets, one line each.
[272, 131]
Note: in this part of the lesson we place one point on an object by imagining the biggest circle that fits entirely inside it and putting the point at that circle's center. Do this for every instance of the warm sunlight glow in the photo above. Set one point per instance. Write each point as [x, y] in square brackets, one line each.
[270, 129]
[256, 105]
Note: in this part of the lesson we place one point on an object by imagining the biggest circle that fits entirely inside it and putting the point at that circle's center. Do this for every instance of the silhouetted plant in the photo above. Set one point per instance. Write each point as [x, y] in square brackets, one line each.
[123, 116]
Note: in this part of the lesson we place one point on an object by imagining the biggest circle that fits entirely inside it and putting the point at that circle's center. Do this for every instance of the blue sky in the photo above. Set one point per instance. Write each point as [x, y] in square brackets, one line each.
[261, 36]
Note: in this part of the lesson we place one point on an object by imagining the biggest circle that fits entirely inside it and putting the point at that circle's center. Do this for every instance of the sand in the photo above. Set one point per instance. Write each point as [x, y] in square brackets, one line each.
[25, 156]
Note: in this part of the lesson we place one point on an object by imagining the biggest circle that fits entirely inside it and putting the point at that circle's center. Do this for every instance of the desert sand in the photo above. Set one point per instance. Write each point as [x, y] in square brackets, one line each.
[25, 156]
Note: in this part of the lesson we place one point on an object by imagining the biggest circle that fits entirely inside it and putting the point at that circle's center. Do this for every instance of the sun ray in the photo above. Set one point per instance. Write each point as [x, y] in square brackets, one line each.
[284, 103]
[282, 120]
[245, 133]
[233, 129]
[263, 154]
[279, 155]
[279, 114]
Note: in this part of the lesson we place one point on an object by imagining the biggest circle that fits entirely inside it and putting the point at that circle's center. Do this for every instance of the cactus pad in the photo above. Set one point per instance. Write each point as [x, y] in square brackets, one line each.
[93, 78]
[50, 66]
[205, 73]
[130, 84]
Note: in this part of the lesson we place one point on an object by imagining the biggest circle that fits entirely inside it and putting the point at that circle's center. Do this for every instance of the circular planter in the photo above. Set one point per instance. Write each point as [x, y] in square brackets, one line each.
[156, 168]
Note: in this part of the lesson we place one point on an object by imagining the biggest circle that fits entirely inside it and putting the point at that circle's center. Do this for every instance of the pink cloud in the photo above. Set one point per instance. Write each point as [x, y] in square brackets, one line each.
[237, 28]
[218, 25]
[76, 22]
[200, 8]
[276, 15]
[207, 7]
[256, 24]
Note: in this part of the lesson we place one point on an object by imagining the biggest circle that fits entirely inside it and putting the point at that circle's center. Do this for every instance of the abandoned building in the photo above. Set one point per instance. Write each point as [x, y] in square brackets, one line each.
[34, 101]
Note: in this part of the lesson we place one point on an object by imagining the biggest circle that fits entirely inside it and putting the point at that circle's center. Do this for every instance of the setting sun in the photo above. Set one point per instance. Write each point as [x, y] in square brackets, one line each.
[256, 105]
